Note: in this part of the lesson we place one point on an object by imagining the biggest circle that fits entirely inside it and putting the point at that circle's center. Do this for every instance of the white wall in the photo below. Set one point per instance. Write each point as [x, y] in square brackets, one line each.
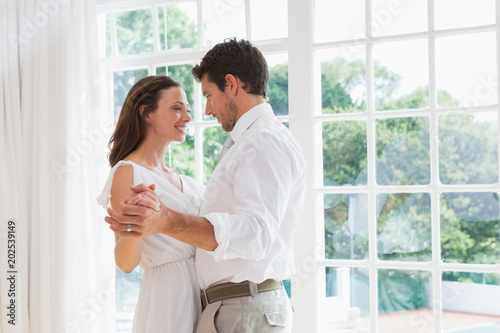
[471, 297]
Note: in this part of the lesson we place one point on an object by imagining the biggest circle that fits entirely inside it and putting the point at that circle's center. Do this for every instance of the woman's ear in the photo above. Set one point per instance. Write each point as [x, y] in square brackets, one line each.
[141, 109]
[141, 112]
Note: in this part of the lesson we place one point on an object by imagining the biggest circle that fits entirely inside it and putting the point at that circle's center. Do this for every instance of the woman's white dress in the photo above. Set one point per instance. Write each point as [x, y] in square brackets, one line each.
[169, 300]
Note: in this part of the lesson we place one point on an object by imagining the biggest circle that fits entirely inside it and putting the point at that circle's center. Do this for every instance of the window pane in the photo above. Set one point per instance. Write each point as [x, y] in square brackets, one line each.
[404, 226]
[181, 155]
[269, 19]
[401, 75]
[127, 294]
[344, 153]
[178, 26]
[468, 148]
[466, 70]
[182, 74]
[277, 89]
[346, 226]
[403, 151]
[223, 19]
[404, 298]
[470, 302]
[343, 79]
[213, 139]
[470, 228]
[203, 108]
[391, 17]
[339, 20]
[463, 13]
[123, 81]
[346, 307]
[161, 70]
[134, 32]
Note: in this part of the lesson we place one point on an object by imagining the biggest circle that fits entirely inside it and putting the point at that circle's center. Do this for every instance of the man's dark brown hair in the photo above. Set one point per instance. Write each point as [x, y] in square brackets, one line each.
[239, 58]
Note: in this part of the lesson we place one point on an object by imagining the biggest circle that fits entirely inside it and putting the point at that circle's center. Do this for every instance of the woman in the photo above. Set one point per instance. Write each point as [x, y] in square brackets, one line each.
[154, 114]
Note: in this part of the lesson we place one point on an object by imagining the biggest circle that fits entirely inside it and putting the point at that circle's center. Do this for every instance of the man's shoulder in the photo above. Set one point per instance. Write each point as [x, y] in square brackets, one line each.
[270, 125]
[271, 133]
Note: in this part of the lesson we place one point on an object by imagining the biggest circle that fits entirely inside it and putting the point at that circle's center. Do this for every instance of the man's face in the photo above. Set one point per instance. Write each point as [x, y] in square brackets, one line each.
[219, 104]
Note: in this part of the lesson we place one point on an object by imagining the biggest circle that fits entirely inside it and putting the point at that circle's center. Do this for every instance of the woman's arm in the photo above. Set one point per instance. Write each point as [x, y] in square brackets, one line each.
[127, 250]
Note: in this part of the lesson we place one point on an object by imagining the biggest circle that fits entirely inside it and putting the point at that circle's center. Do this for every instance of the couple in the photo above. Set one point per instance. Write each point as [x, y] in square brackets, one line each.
[213, 261]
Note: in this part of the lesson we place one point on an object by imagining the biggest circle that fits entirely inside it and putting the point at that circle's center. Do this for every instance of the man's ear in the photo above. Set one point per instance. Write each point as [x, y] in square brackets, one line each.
[232, 83]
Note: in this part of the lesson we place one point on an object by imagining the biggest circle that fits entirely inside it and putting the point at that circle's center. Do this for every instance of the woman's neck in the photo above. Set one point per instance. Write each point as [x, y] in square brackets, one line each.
[150, 153]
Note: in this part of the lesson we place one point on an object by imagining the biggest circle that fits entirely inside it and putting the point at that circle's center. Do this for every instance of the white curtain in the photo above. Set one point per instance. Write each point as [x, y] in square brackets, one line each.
[53, 137]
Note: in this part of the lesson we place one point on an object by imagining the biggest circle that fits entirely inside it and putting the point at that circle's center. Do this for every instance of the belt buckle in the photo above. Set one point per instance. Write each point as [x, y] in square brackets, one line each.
[204, 297]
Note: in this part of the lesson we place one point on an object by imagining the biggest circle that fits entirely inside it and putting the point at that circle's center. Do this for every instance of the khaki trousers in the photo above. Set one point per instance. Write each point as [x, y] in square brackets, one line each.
[267, 312]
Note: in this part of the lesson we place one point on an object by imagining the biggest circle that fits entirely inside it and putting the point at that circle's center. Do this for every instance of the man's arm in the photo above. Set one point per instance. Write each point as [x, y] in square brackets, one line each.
[145, 221]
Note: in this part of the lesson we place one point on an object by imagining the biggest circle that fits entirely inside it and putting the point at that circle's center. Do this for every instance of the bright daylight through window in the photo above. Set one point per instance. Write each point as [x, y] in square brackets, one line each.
[404, 176]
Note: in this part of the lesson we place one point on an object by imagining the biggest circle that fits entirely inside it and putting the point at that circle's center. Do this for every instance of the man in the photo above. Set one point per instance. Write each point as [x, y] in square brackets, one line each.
[251, 206]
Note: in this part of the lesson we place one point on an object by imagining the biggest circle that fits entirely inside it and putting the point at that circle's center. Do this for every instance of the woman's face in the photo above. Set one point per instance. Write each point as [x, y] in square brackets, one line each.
[169, 121]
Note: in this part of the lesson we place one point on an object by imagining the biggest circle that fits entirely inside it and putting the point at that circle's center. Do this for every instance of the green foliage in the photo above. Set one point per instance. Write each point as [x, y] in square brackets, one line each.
[338, 78]
[419, 98]
[340, 240]
[277, 90]
[470, 228]
[134, 32]
[181, 156]
[214, 138]
[468, 150]
[403, 151]
[402, 290]
[404, 227]
[467, 277]
[181, 31]
[344, 153]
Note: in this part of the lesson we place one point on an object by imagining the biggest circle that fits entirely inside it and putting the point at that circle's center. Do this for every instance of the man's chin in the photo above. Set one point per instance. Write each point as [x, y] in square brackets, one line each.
[227, 128]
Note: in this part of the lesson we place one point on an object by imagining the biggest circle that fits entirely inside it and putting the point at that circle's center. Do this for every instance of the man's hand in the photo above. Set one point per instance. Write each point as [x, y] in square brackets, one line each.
[140, 213]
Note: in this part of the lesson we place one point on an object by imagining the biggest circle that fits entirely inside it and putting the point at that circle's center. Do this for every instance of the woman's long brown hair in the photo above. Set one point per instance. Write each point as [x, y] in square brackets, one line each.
[131, 127]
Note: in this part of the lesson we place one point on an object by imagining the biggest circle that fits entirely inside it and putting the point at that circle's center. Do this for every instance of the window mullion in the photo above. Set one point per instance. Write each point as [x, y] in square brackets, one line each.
[199, 9]
[497, 3]
[371, 158]
[248, 19]
[156, 33]
[305, 291]
[112, 31]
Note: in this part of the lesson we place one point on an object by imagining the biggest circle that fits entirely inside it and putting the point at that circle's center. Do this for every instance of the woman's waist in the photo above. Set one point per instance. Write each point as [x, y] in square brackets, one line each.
[148, 263]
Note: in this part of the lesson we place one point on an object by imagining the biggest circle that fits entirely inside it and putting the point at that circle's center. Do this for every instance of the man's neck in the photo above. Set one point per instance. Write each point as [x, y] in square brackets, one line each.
[249, 103]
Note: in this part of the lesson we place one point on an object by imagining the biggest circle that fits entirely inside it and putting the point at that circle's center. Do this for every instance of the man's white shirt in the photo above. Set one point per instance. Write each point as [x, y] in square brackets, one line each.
[254, 200]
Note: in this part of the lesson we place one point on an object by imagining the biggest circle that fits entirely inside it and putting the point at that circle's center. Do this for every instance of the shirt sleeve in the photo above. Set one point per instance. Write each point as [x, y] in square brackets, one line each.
[262, 186]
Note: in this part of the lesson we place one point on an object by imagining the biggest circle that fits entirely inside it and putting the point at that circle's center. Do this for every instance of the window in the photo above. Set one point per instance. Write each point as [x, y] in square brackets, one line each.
[395, 103]
[407, 190]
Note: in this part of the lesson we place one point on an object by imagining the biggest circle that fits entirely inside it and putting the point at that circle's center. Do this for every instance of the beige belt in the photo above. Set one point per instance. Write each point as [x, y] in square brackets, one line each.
[233, 290]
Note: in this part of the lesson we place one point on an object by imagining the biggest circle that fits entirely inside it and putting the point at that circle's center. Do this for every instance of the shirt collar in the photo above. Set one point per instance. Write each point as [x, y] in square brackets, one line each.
[248, 118]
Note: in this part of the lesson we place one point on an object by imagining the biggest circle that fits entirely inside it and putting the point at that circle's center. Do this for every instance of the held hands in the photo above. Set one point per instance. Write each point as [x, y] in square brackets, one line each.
[139, 216]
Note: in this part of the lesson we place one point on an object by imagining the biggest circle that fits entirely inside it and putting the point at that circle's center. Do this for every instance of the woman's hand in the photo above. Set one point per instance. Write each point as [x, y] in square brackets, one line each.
[139, 216]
